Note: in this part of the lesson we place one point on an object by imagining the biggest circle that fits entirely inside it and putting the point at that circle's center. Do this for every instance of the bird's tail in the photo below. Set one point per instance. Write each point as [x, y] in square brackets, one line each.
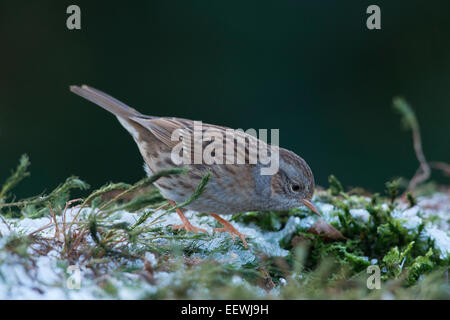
[116, 107]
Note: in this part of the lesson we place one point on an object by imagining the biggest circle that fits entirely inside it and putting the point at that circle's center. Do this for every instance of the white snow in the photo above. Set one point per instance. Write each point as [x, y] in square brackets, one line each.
[47, 278]
[362, 214]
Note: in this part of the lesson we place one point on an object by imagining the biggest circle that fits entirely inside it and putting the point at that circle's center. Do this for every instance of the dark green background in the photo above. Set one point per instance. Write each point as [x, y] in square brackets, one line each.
[311, 69]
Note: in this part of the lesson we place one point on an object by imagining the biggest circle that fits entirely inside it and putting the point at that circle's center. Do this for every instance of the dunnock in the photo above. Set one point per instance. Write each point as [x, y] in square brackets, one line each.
[232, 188]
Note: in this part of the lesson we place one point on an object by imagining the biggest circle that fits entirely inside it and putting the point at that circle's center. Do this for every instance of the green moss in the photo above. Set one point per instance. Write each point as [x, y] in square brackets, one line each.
[313, 268]
[335, 186]
[393, 189]
[419, 266]
[16, 177]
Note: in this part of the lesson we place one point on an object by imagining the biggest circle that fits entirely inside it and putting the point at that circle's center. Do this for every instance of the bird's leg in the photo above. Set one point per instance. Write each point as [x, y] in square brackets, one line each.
[228, 227]
[186, 224]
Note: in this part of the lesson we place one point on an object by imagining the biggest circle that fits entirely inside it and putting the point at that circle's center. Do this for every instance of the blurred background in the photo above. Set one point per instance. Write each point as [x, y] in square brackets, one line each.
[313, 70]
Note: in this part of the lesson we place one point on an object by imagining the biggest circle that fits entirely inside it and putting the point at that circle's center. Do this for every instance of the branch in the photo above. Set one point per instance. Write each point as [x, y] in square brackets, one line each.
[410, 122]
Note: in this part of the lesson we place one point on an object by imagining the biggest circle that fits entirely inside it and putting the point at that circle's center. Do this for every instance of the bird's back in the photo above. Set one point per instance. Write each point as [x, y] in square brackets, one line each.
[231, 187]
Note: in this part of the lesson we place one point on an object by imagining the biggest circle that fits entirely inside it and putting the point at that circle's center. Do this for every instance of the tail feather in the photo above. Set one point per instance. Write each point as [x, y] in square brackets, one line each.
[105, 101]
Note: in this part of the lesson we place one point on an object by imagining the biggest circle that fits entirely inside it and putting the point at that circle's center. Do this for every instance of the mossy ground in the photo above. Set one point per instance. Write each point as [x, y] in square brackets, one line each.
[120, 238]
[118, 243]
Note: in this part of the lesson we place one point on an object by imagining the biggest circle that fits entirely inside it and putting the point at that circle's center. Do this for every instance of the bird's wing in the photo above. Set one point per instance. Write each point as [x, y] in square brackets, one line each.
[164, 130]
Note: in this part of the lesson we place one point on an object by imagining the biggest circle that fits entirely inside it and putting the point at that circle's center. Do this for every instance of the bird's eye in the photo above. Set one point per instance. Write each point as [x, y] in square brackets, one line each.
[295, 187]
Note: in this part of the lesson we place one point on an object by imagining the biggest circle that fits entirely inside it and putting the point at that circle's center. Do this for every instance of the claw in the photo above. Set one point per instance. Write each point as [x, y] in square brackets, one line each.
[228, 227]
[186, 224]
[189, 228]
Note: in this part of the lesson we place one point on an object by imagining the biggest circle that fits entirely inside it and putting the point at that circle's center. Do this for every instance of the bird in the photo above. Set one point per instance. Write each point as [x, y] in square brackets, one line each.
[233, 187]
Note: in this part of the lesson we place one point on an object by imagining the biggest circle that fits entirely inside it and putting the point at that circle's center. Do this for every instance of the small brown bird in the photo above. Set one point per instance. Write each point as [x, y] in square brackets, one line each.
[232, 188]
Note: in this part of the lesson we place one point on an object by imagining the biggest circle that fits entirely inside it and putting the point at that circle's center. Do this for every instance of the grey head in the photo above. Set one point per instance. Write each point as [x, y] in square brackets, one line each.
[291, 186]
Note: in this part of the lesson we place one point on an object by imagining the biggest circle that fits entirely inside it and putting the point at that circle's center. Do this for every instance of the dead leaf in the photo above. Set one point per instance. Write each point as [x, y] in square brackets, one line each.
[326, 231]
[147, 272]
[265, 280]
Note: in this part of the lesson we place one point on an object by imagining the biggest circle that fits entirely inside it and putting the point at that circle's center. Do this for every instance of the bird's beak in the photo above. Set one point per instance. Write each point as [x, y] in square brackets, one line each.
[311, 206]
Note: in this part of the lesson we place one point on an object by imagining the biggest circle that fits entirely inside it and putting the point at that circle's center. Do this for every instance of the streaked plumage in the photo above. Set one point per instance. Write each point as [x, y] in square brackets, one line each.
[232, 188]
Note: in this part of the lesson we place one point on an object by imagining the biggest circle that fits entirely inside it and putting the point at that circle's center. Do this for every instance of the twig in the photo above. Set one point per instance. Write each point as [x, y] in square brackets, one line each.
[68, 203]
[53, 213]
[198, 191]
[144, 182]
[410, 121]
[444, 167]
[4, 221]
[42, 228]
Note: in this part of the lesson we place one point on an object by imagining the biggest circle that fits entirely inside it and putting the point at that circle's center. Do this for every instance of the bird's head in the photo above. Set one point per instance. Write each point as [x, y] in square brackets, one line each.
[293, 184]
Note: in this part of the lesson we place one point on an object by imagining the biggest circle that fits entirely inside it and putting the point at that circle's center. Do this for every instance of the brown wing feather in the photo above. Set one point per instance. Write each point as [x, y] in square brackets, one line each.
[162, 128]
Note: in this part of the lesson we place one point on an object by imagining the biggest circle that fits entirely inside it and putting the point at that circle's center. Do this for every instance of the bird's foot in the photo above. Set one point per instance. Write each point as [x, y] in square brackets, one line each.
[186, 224]
[228, 227]
[189, 228]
